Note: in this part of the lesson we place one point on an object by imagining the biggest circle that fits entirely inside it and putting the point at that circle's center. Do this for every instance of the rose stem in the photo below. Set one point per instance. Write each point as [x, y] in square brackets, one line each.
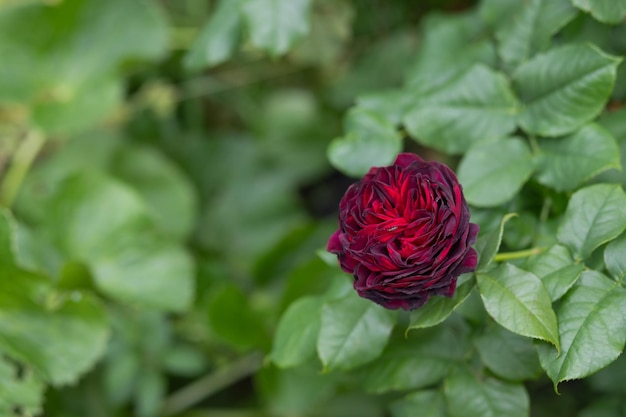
[507, 256]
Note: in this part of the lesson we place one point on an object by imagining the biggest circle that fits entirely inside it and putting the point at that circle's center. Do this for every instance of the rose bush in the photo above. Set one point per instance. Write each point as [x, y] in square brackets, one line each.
[404, 233]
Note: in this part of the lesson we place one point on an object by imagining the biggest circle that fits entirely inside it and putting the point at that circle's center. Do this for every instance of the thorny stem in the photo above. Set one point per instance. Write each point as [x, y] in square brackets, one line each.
[507, 256]
[208, 385]
[20, 164]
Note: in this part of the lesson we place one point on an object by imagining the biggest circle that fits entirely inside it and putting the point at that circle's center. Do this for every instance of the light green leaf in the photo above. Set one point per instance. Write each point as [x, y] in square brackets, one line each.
[167, 191]
[492, 172]
[508, 355]
[565, 163]
[564, 88]
[73, 325]
[20, 389]
[594, 215]
[519, 302]
[275, 25]
[591, 327]
[297, 331]
[615, 257]
[439, 307]
[477, 105]
[369, 141]
[129, 260]
[468, 395]
[354, 331]
[218, 38]
[560, 281]
[606, 11]
[390, 105]
[488, 245]
[419, 361]
[430, 403]
[531, 27]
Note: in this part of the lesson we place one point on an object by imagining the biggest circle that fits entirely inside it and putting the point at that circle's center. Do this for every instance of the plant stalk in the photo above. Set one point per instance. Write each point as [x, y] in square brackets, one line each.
[19, 166]
[507, 256]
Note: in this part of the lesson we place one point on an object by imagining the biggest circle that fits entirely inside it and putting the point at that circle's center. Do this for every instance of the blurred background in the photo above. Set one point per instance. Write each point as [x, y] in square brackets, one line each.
[168, 158]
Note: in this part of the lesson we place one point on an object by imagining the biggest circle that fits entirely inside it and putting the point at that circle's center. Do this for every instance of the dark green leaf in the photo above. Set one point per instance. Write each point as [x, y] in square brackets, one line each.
[439, 307]
[508, 355]
[354, 331]
[493, 172]
[369, 141]
[218, 38]
[275, 25]
[422, 360]
[595, 215]
[591, 328]
[565, 163]
[477, 105]
[429, 403]
[615, 257]
[564, 88]
[488, 245]
[297, 331]
[468, 395]
[231, 318]
[606, 11]
[518, 301]
[530, 29]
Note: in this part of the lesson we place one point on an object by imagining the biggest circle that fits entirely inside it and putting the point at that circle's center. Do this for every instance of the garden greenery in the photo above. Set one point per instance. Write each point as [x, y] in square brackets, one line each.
[167, 197]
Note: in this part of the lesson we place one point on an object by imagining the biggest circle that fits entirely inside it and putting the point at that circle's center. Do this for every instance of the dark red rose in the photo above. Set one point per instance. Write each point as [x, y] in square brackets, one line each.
[404, 233]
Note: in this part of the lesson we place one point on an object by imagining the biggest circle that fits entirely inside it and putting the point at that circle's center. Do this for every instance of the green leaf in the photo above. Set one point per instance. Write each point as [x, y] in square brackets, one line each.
[477, 105]
[430, 403]
[73, 325]
[151, 388]
[231, 318]
[493, 172]
[439, 307]
[565, 163]
[61, 59]
[606, 11]
[390, 105]
[591, 327]
[564, 88]
[530, 29]
[594, 215]
[557, 270]
[297, 332]
[518, 301]
[422, 360]
[451, 45]
[129, 260]
[614, 258]
[468, 395]
[167, 192]
[218, 38]
[275, 25]
[20, 389]
[508, 355]
[488, 245]
[369, 141]
[354, 331]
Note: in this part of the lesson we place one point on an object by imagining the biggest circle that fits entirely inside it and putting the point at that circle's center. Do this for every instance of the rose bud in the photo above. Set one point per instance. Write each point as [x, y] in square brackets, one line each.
[404, 233]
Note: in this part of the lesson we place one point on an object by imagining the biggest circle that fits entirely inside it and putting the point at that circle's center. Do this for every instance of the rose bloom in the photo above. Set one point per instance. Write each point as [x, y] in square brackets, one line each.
[404, 233]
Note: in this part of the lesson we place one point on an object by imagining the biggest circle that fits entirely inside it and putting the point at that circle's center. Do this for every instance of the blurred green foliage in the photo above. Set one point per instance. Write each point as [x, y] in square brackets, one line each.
[167, 185]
